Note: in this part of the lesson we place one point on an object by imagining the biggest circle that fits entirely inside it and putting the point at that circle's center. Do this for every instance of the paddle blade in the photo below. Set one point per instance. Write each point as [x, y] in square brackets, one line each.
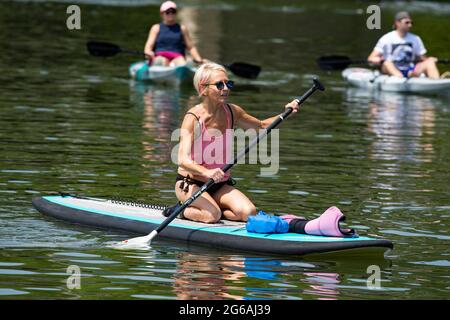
[333, 62]
[102, 49]
[244, 70]
[136, 243]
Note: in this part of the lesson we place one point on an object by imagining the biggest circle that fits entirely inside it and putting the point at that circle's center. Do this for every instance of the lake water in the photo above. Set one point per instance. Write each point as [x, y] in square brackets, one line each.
[71, 122]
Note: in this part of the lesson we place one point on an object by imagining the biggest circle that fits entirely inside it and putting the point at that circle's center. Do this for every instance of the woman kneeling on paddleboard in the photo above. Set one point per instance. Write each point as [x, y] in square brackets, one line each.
[208, 126]
[167, 41]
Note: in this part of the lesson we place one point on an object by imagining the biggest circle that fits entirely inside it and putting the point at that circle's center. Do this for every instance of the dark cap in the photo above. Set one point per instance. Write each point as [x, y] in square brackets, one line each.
[402, 15]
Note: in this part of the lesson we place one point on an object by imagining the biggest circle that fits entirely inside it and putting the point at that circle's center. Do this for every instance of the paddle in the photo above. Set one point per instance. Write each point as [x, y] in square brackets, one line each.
[105, 49]
[337, 62]
[145, 240]
[244, 70]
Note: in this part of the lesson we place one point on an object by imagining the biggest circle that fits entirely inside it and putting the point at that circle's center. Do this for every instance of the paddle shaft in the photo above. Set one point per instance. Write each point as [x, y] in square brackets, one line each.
[317, 86]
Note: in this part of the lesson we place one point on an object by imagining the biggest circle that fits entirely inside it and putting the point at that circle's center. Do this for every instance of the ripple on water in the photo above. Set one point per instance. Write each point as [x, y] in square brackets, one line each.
[299, 193]
[12, 292]
[10, 264]
[43, 289]
[414, 234]
[86, 261]
[16, 272]
[257, 191]
[152, 297]
[76, 254]
[141, 278]
[437, 263]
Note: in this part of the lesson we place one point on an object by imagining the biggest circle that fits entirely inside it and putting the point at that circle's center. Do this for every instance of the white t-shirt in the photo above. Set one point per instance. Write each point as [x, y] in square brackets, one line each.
[402, 51]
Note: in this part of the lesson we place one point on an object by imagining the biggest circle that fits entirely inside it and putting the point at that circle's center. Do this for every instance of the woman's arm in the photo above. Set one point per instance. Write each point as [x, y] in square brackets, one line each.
[151, 39]
[245, 121]
[190, 45]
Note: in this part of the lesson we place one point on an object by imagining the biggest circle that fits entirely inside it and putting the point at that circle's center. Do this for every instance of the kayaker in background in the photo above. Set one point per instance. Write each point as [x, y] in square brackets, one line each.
[401, 53]
[168, 40]
[204, 128]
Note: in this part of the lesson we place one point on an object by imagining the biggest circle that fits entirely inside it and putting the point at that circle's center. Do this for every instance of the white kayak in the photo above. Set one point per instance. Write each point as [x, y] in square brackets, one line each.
[141, 71]
[369, 79]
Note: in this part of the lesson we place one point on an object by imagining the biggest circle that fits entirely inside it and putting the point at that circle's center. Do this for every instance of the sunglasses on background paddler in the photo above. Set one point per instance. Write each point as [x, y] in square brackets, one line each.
[171, 11]
[220, 85]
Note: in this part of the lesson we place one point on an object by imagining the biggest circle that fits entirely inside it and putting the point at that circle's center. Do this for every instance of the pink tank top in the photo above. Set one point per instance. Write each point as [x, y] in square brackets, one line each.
[212, 151]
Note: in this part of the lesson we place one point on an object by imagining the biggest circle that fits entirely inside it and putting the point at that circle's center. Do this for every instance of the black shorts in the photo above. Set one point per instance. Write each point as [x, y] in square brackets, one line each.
[212, 190]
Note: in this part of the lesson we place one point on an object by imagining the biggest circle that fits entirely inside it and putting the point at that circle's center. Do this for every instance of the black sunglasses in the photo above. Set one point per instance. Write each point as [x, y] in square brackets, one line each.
[169, 11]
[221, 84]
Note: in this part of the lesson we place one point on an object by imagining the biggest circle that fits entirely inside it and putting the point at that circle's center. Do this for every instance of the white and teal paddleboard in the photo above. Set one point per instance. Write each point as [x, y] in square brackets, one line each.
[141, 219]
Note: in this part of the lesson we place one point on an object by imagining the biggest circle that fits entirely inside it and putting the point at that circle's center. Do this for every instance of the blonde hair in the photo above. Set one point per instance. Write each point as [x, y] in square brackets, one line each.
[203, 74]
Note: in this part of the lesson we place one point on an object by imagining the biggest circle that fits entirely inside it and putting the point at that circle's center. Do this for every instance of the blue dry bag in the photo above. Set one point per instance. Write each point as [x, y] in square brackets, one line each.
[264, 223]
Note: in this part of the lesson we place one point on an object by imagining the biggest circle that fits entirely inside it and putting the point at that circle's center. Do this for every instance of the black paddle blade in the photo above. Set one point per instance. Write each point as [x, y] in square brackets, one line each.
[102, 49]
[333, 62]
[244, 70]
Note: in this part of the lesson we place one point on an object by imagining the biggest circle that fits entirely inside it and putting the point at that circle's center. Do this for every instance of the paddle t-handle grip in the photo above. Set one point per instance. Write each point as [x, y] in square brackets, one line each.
[316, 86]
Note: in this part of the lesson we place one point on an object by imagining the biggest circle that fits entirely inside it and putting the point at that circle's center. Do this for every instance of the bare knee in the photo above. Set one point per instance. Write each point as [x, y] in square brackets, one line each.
[211, 217]
[430, 61]
[247, 210]
[426, 65]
